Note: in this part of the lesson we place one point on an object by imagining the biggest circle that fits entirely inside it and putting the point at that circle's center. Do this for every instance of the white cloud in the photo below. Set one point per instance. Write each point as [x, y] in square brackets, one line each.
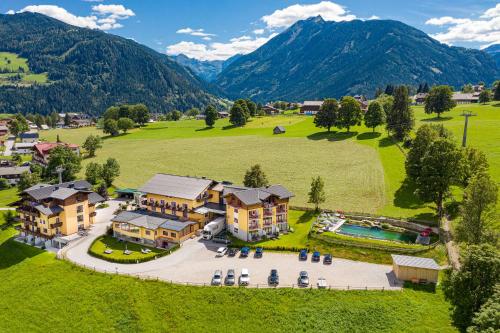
[194, 32]
[104, 17]
[10, 12]
[218, 51]
[330, 11]
[258, 31]
[373, 17]
[207, 38]
[485, 30]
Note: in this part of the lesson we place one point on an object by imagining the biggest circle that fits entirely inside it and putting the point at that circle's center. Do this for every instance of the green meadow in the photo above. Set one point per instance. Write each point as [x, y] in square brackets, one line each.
[16, 65]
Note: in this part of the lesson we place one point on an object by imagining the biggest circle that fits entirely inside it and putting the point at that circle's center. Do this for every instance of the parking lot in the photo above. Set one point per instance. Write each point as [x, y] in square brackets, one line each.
[196, 261]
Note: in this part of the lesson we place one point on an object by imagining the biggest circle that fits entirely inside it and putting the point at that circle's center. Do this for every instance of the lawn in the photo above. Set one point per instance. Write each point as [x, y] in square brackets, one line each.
[8, 196]
[40, 293]
[108, 242]
[13, 62]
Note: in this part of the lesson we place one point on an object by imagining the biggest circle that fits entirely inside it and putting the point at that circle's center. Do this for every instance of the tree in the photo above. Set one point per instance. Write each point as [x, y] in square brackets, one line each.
[110, 170]
[175, 115]
[244, 106]
[237, 115]
[484, 96]
[193, 112]
[63, 156]
[437, 173]
[58, 139]
[141, 114]
[496, 91]
[467, 88]
[349, 113]
[210, 115]
[470, 287]
[487, 319]
[387, 102]
[54, 118]
[375, 116]
[327, 115]
[4, 184]
[317, 192]
[389, 89]
[252, 108]
[93, 173]
[439, 100]
[111, 127]
[425, 137]
[255, 177]
[28, 179]
[111, 113]
[16, 158]
[18, 125]
[378, 92]
[91, 144]
[67, 120]
[124, 124]
[102, 190]
[473, 162]
[478, 210]
[425, 89]
[400, 119]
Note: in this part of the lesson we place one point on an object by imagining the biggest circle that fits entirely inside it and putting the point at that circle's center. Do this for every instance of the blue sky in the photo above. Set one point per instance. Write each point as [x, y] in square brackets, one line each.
[217, 29]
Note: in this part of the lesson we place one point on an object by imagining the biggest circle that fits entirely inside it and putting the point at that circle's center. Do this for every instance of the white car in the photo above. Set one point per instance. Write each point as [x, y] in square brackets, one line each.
[221, 251]
[322, 283]
[244, 277]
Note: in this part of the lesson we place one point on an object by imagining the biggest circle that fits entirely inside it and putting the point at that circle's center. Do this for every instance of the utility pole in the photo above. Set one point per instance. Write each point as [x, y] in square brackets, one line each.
[466, 114]
[59, 171]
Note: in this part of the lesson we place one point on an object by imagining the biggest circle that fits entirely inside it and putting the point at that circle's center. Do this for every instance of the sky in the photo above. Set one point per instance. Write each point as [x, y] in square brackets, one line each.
[219, 29]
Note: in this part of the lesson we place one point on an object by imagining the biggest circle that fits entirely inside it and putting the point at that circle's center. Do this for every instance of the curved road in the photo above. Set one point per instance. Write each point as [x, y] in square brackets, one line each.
[195, 262]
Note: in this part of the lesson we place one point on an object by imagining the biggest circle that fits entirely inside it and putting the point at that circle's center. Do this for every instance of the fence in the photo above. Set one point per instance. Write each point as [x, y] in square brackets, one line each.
[397, 287]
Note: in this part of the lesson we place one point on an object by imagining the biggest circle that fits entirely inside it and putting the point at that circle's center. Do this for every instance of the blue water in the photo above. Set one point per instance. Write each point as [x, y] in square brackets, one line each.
[367, 232]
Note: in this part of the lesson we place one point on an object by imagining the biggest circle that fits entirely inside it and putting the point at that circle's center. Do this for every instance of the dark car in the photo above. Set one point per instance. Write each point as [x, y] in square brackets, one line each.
[258, 252]
[244, 252]
[327, 259]
[303, 279]
[274, 278]
[303, 254]
[316, 256]
[232, 252]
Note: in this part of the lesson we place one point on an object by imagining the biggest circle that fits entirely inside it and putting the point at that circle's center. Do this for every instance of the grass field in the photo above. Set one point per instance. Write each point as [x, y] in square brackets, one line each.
[13, 63]
[40, 293]
[109, 242]
[363, 171]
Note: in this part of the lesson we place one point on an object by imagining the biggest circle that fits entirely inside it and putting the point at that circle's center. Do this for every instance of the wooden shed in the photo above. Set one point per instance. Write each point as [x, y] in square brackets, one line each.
[415, 269]
[279, 130]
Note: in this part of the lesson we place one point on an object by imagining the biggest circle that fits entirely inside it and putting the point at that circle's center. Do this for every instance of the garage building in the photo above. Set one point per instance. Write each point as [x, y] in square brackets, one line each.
[415, 269]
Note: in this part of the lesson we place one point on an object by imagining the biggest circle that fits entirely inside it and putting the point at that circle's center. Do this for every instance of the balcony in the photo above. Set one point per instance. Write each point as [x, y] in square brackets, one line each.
[281, 210]
[56, 225]
[268, 212]
[253, 215]
[268, 222]
[253, 226]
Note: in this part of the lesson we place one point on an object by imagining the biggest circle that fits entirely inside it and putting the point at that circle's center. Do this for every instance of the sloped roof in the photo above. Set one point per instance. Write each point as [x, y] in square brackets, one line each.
[53, 210]
[15, 170]
[44, 191]
[150, 220]
[63, 193]
[176, 186]
[95, 198]
[280, 128]
[28, 135]
[417, 262]
[312, 103]
[254, 196]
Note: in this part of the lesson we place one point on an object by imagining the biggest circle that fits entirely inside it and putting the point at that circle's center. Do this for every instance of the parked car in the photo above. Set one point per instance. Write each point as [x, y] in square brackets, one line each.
[303, 254]
[316, 256]
[244, 252]
[258, 252]
[322, 283]
[327, 259]
[274, 278]
[232, 252]
[230, 279]
[244, 277]
[303, 279]
[221, 251]
[217, 278]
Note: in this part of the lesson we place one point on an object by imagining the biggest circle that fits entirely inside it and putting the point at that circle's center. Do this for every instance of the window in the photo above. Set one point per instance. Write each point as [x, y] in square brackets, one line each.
[236, 210]
[44, 230]
[148, 232]
[80, 218]
[57, 220]
[235, 230]
[165, 233]
[173, 234]
[162, 203]
[235, 220]
[79, 209]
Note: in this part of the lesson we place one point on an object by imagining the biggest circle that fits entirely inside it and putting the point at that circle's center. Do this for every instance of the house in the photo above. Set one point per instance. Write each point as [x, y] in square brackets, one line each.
[223, 114]
[363, 102]
[270, 110]
[200, 117]
[13, 173]
[32, 126]
[310, 107]
[279, 130]
[29, 137]
[41, 151]
[44, 127]
[4, 130]
[419, 98]
[252, 213]
[75, 120]
[465, 98]
[24, 148]
[415, 269]
[49, 214]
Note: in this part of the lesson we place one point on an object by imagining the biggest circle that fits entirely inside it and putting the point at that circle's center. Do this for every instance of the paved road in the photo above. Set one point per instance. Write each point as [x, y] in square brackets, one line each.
[9, 143]
[195, 262]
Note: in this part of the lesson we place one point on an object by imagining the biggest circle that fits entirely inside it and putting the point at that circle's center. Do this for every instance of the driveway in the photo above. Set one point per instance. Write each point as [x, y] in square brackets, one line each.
[195, 262]
[9, 143]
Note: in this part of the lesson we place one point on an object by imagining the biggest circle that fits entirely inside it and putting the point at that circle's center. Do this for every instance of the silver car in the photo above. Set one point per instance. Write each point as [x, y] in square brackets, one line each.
[217, 278]
[303, 279]
[230, 279]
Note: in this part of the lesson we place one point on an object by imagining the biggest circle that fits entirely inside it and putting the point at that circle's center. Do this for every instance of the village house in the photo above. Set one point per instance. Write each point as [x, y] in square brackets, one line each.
[419, 98]
[363, 102]
[270, 110]
[465, 98]
[223, 114]
[29, 137]
[310, 107]
[13, 173]
[50, 214]
[41, 151]
[24, 148]
[75, 120]
[4, 130]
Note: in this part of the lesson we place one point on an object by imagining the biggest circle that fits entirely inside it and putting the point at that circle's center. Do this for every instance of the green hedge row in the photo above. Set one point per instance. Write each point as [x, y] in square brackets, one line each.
[127, 260]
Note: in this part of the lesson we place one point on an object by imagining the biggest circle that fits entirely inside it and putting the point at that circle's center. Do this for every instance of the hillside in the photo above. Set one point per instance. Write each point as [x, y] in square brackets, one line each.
[90, 70]
[316, 59]
[206, 70]
[494, 51]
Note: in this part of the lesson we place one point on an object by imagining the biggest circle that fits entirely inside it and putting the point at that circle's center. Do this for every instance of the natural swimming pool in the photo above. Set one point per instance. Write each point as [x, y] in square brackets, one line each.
[377, 233]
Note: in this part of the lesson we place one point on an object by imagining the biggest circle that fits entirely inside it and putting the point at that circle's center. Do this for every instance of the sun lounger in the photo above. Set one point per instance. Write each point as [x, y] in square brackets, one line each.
[127, 252]
[108, 251]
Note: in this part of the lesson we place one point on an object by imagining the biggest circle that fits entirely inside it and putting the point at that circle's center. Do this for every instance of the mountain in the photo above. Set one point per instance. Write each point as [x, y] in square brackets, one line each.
[90, 70]
[205, 69]
[494, 51]
[316, 59]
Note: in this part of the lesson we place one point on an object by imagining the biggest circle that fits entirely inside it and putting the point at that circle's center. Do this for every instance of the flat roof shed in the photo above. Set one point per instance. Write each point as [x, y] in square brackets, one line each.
[415, 269]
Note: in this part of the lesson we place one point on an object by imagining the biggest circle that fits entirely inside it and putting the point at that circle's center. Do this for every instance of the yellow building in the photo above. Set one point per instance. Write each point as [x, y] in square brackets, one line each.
[257, 212]
[415, 269]
[50, 212]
